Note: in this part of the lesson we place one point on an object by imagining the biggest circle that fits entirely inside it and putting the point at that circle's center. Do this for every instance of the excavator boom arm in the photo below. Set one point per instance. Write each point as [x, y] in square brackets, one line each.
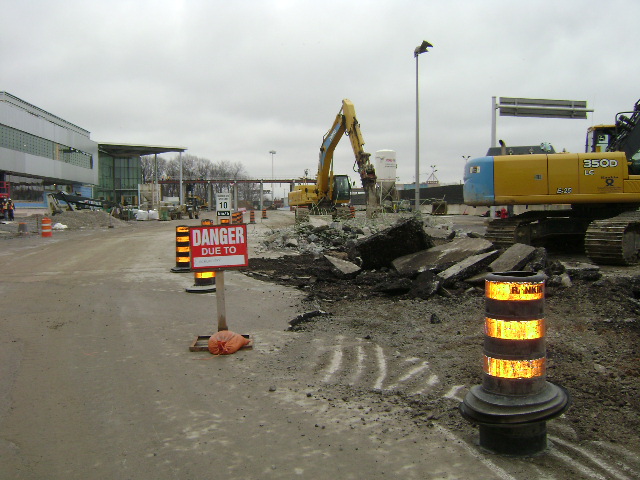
[329, 143]
[364, 167]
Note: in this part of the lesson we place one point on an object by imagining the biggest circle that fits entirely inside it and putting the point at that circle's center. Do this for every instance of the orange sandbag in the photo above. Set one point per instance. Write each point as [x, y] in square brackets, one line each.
[225, 342]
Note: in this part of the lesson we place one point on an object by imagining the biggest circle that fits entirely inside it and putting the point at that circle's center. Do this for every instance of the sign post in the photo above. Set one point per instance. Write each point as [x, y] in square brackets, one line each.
[217, 248]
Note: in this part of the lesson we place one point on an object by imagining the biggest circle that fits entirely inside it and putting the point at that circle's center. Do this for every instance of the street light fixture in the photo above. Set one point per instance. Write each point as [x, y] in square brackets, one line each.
[422, 48]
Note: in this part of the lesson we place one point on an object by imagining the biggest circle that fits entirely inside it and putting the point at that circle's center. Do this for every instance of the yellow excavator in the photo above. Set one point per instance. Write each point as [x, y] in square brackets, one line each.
[329, 190]
[601, 189]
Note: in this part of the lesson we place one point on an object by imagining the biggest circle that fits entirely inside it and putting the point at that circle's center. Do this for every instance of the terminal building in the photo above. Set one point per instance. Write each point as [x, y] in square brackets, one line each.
[41, 153]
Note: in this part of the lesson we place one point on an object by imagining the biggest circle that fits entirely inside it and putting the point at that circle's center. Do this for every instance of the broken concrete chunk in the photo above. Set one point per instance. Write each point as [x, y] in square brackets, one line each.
[582, 271]
[440, 257]
[291, 242]
[425, 285]
[379, 250]
[467, 267]
[538, 260]
[514, 258]
[439, 235]
[342, 268]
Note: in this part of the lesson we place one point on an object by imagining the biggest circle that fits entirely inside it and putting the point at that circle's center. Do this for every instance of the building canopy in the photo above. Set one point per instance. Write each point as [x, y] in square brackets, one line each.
[129, 150]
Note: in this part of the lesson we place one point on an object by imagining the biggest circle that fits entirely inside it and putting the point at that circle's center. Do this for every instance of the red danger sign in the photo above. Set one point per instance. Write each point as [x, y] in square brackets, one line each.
[218, 247]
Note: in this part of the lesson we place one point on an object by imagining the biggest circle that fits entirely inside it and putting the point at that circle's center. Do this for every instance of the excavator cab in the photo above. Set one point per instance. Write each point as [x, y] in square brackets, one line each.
[606, 138]
[341, 192]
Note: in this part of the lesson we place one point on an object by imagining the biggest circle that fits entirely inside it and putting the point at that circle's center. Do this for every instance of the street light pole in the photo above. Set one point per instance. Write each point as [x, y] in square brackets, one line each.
[422, 48]
[273, 197]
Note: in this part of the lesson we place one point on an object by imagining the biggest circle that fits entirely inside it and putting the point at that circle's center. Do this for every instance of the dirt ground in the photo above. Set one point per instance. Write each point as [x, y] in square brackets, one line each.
[393, 367]
[593, 335]
[592, 341]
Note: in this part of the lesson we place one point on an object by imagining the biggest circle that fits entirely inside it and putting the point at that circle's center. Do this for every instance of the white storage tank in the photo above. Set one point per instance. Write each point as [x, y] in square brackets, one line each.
[385, 163]
[386, 167]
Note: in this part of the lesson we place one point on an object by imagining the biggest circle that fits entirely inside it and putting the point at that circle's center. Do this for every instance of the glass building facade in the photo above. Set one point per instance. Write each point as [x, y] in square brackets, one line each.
[118, 179]
[14, 139]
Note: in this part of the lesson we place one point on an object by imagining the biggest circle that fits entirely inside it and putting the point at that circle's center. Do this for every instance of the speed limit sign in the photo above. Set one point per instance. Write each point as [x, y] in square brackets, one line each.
[223, 204]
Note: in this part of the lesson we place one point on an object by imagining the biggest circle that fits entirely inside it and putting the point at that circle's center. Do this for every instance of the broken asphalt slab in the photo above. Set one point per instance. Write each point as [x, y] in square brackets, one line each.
[381, 249]
[342, 268]
[467, 267]
[514, 258]
[440, 257]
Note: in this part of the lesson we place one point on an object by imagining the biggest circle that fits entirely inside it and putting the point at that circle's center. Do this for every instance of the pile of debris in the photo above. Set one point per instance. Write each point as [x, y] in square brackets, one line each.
[75, 220]
[404, 260]
[87, 219]
[322, 237]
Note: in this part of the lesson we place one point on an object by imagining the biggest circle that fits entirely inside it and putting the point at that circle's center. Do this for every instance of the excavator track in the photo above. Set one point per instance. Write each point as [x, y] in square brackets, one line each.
[614, 241]
[505, 232]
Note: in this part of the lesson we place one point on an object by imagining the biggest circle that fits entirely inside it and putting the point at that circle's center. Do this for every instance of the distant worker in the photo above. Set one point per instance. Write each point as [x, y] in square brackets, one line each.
[10, 208]
[503, 213]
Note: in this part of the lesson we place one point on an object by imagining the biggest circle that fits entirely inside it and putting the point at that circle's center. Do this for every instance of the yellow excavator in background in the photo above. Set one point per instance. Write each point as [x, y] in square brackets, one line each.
[331, 191]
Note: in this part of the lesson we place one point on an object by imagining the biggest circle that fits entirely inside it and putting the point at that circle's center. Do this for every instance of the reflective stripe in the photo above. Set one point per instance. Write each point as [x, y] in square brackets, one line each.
[514, 329]
[205, 274]
[514, 291]
[498, 367]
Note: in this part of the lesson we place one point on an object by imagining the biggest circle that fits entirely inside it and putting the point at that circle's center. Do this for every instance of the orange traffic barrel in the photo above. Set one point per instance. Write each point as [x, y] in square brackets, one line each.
[237, 218]
[204, 282]
[183, 251]
[352, 210]
[515, 400]
[264, 213]
[252, 216]
[46, 227]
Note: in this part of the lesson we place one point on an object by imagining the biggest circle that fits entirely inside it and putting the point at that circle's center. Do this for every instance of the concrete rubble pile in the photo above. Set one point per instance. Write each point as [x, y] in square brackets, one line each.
[421, 261]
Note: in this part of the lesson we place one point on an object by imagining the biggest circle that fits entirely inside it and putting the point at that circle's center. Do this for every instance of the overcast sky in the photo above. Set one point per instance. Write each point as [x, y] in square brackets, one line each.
[233, 80]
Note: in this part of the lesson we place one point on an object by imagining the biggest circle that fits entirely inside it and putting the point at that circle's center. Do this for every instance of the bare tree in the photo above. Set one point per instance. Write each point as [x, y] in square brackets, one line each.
[201, 169]
[147, 167]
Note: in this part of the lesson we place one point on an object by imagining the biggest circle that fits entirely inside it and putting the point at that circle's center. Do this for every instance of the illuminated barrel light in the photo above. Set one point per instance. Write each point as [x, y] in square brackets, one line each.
[515, 400]
[183, 263]
[204, 282]
[206, 222]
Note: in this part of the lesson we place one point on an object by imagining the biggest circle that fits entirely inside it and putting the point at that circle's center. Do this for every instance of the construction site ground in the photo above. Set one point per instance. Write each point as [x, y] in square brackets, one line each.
[97, 380]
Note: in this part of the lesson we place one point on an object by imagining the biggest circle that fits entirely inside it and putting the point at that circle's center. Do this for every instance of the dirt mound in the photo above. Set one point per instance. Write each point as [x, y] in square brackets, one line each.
[76, 220]
[81, 219]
